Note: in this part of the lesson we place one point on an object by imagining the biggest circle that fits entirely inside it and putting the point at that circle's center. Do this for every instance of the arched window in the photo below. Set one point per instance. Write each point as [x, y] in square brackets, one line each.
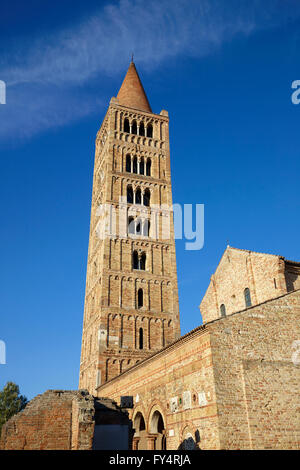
[128, 163]
[146, 228]
[247, 297]
[140, 298]
[126, 125]
[142, 166]
[134, 128]
[141, 339]
[135, 260]
[142, 129]
[146, 198]
[149, 130]
[129, 195]
[131, 225]
[138, 227]
[142, 263]
[223, 310]
[134, 166]
[138, 196]
[148, 167]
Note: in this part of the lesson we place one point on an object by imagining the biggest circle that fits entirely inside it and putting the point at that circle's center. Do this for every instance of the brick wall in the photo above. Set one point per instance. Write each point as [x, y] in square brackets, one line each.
[55, 420]
[242, 374]
[266, 276]
[257, 371]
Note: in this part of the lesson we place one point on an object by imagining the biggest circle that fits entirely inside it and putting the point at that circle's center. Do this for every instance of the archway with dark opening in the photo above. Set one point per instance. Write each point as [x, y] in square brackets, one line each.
[157, 426]
[141, 338]
[140, 298]
[146, 198]
[129, 195]
[128, 163]
[134, 165]
[148, 167]
[143, 261]
[134, 128]
[126, 125]
[139, 424]
[149, 130]
[138, 196]
[142, 166]
[135, 260]
[140, 433]
[142, 129]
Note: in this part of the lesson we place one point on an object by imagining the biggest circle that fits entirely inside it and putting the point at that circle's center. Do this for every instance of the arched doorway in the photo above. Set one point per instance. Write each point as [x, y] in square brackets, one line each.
[140, 433]
[157, 428]
[188, 442]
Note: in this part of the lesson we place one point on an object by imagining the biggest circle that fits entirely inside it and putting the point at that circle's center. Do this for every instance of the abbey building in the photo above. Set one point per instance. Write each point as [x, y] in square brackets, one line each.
[231, 383]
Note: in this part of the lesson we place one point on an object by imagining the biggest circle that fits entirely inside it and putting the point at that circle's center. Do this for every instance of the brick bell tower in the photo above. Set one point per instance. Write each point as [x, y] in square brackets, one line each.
[131, 301]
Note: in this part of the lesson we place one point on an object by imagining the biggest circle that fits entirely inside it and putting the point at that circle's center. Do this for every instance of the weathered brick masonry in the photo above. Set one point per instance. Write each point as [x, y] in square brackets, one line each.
[55, 420]
[60, 420]
[265, 276]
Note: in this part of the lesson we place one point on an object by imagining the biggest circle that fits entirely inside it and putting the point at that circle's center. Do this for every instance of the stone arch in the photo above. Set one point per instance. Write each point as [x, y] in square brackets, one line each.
[149, 130]
[126, 127]
[139, 423]
[128, 163]
[157, 427]
[142, 128]
[189, 437]
[134, 127]
[140, 431]
[122, 361]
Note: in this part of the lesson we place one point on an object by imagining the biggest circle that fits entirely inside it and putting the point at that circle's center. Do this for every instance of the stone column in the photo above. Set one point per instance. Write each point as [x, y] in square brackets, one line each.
[151, 439]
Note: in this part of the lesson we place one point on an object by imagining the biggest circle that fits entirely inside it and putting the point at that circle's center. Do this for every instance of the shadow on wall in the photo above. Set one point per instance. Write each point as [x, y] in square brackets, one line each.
[68, 419]
[113, 428]
[190, 442]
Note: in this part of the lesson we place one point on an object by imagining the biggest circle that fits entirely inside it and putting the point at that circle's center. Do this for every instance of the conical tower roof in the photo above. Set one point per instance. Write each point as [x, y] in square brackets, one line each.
[132, 93]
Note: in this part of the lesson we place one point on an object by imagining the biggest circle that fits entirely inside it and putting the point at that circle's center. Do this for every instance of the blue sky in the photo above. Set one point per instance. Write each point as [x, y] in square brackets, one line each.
[223, 70]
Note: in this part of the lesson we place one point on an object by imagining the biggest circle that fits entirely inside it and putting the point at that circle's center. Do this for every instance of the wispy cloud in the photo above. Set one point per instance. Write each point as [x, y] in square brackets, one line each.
[44, 79]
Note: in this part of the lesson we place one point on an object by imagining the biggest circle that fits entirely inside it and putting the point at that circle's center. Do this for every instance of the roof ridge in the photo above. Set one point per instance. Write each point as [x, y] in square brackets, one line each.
[256, 252]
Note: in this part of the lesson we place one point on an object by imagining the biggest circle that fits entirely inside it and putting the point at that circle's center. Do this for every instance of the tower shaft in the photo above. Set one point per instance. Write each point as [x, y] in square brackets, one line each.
[131, 301]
